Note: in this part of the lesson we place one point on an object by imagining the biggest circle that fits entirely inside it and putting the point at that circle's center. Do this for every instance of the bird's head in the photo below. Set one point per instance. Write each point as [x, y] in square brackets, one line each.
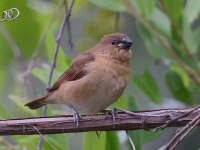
[116, 45]
[117, 40]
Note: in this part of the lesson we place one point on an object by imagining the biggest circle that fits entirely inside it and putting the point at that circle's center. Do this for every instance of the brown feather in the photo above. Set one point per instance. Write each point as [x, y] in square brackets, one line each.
[37, 103]
[75, 71]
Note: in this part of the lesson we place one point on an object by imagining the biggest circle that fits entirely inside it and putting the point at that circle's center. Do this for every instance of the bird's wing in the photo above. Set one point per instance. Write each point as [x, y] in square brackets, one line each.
[75, 72]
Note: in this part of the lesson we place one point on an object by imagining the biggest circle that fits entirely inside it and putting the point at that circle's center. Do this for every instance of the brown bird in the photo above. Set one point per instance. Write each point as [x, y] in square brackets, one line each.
[95, 79]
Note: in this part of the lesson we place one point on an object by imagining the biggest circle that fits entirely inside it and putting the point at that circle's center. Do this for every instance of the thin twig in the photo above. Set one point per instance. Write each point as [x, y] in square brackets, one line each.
[174, 120]
[175, 138]
[188, 131]
[44, 137]
[58, 40]
[130, 140]
[7, 144]
[194, 76]
[71, 45]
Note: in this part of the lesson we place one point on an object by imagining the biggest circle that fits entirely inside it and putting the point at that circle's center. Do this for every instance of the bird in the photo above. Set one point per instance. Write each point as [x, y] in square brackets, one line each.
[95, 79]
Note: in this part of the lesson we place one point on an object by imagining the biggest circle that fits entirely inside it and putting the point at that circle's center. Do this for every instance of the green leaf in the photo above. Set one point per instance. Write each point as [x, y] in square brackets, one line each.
[113, 5]
[192, 10]
[147, 85]
[196, 38]
[152, 45]
[146, 7]
[28, 32]
[135, 6]
[112, 142]
[132, 103]
[91, 35]
[177, 88]
[136, 136]
[42, 74]
[26, 141]
[4, 114]
[173, 8]
[160, 20]
[121, 103]
[62, 61]
[194, 88]
[19, 101]
[92, 142]
[149, 136]
[188, 36]
[182, 73]
[59, 141]
[6, 52]
[139, 137]
[2, 79]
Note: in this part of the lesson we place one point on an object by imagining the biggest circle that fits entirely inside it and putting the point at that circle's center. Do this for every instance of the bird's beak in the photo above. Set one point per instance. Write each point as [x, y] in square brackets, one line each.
[125, 43]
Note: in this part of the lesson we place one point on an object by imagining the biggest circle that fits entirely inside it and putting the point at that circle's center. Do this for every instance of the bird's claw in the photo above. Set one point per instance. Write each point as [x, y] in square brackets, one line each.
[113, 113]
[76, 115]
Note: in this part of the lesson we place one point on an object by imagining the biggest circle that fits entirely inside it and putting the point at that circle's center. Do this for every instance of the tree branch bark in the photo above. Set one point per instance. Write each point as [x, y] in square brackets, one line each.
[63, 124]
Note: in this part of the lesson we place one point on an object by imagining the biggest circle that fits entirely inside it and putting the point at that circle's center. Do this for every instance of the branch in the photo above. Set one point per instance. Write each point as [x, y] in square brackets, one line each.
[64, 124]
[182, 133]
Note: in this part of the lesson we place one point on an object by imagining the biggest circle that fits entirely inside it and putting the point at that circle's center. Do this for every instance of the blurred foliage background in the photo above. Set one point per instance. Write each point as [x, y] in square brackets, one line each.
[165, 63]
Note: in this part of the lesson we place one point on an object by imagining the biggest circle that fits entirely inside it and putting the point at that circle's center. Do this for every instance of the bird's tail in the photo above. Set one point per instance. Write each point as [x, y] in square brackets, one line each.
[37, 103]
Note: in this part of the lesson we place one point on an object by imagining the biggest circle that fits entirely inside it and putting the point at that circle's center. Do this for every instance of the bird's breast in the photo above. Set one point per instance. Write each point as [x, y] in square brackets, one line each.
[106, 83]
[102, 85]
[109, 69]
[110, 76]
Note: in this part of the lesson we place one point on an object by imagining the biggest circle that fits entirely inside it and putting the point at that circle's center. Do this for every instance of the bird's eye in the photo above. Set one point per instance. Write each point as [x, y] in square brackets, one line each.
[113, 42]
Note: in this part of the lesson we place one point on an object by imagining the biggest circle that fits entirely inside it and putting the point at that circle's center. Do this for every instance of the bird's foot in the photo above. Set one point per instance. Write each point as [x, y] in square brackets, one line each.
[113, 113]
[76, 115]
